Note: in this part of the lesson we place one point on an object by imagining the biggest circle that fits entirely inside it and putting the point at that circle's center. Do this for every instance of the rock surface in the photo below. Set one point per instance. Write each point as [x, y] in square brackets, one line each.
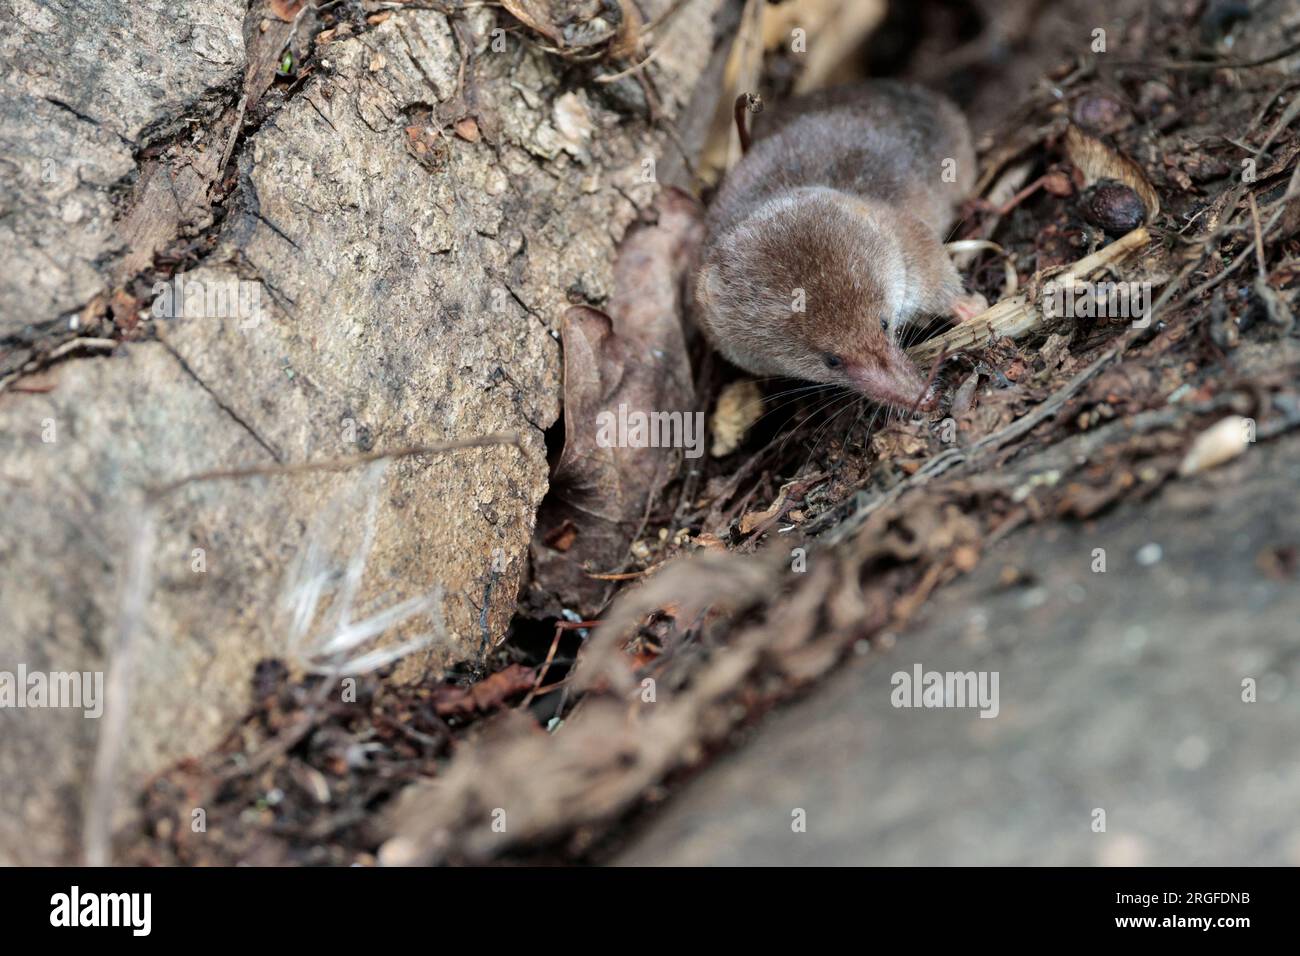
[85, 87]
[408, 297]
[1120, 691]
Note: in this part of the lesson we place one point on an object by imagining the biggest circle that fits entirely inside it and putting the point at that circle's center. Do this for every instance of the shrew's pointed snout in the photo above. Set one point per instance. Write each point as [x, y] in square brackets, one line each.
[894, 381]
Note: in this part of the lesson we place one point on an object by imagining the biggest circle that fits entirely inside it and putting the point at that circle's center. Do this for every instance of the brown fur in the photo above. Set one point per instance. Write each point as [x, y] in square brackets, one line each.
[841, 196]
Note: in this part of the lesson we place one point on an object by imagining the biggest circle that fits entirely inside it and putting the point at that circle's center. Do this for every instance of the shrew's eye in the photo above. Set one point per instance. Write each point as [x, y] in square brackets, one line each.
[884, 325]
[832, 360]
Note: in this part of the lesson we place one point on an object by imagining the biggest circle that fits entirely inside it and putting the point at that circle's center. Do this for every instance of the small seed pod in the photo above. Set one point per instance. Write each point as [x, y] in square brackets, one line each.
[1112, 206]
[1101, 115]
[1222, 441]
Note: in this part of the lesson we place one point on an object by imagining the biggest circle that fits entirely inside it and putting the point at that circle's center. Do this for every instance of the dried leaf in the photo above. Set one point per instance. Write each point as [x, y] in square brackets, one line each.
[562, 537]
[536, 15]
[963, 398]
[617, 367]
[753, 519]
[467, 129]
[899, 442]
[710, 542]
[744, 65]
[287, 10]
[627, 42]
[450, 700]
[790, 492]
[1097, 161]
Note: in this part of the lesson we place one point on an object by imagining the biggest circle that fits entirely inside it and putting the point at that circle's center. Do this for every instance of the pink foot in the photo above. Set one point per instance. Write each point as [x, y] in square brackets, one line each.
[966, 307]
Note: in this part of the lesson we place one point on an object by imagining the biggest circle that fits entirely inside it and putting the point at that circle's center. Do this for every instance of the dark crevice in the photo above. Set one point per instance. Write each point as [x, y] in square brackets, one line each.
[277, 230]
[234, 415]
[85, 118]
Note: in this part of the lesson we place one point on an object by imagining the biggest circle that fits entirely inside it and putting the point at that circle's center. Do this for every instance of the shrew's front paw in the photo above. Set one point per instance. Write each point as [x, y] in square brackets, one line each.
[968, 305]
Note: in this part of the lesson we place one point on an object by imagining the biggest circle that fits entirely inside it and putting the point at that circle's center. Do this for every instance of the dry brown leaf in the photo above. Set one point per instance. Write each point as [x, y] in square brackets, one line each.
[467, 129]
[790, 492]
[847, 26]
[963, 398]
[899, 443]
[536, 15]
[710, 542]
[287, 10]
[744, 65]
[631, 360]
[576, 27]
[1097, 161]
[561, 538]
[753, 519]
[487, 695]
[627, 42]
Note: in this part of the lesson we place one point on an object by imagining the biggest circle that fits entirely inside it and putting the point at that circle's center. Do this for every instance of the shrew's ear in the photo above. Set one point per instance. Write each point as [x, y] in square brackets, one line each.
[933, 281]
[707, 288]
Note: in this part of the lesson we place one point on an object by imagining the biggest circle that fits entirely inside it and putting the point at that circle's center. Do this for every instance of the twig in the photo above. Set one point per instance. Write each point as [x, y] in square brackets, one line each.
[1293, 189]
[1017, 316]
[332, 464]
[36, 364]
[746, 103]
[634, 68]
[1286, 119]
[545, 669]
[1212, 64]
[1259, 237]
[620, 576]
[560, 628]
[106, 345]
[663, 17]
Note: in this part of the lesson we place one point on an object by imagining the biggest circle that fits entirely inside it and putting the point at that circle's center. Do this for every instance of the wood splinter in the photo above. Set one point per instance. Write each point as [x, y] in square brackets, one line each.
[746, 103]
